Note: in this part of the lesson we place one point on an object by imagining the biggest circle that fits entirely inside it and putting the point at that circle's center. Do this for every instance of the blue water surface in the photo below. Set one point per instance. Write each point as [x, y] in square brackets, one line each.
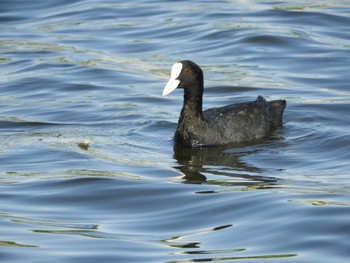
[88, 168]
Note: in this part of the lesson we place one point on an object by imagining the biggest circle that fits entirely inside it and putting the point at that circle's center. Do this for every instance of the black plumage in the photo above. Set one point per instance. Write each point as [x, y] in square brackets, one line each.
[232, 124]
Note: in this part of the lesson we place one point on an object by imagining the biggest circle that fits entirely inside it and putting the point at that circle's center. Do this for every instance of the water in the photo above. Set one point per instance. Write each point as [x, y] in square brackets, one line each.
[88, 171]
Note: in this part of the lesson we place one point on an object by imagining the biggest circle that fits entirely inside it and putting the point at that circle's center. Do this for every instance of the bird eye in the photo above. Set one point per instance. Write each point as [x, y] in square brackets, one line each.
[186, 70]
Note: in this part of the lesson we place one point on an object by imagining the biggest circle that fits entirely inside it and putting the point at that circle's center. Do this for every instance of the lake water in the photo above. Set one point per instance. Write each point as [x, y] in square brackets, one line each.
[88, 168]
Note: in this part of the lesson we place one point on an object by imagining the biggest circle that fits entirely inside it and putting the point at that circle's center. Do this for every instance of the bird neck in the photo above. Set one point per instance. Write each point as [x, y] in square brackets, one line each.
[193, 100]
[193, 105]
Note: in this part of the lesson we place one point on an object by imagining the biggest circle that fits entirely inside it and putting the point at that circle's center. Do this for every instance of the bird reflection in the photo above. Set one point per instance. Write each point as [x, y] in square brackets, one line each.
[225, 165]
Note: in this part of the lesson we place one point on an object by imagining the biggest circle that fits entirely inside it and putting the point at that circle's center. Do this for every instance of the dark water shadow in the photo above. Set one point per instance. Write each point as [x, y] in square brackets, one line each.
[220, 166]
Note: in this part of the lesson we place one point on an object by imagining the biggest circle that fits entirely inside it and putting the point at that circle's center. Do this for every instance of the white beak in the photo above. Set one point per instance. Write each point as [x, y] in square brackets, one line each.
[173, 82]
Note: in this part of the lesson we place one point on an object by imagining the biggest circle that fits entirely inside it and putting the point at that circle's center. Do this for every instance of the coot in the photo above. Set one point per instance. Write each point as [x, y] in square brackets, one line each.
[239, 123]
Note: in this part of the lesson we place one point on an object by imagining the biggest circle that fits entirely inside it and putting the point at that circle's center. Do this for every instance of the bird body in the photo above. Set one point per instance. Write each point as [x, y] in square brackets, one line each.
[232, 124]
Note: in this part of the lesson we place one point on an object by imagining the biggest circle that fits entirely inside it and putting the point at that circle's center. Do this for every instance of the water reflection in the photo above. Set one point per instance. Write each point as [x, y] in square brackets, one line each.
[178, 242]
[220, 259]
[4, 243]
[219, 166]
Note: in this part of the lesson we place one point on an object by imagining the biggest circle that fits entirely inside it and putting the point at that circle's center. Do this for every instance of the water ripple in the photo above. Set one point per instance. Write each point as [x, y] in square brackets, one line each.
[89, 170]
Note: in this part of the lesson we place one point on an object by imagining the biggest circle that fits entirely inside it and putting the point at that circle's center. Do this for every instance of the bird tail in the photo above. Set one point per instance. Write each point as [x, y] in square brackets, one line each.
[277, 107]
